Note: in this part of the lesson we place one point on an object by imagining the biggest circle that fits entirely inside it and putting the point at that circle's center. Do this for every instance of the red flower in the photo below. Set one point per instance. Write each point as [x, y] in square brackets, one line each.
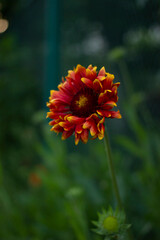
[82, 103]
[34, 180]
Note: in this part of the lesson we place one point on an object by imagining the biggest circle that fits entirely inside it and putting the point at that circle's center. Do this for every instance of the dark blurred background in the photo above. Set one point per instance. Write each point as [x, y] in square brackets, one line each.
[50, 189]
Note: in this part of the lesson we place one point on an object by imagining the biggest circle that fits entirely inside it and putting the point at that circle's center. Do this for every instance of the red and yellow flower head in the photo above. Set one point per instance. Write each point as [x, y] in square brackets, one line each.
[84, 99]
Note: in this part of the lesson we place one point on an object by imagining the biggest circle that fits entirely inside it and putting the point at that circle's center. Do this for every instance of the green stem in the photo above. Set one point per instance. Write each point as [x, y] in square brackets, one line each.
[112, 172]
[113, 176]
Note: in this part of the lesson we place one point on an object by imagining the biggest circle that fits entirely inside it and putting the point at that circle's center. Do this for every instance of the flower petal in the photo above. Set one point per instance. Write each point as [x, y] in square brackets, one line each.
[104, 113]
[67, 134]
[56, 128]
[102, 72]
[103, 97]
[87, 82]
[97, 85]
[84, 136]
[87, 124]
[79, 129]
[74, 119]
[110, 76]
[91, 74]
[93, 129]
[115, 114]
[77, 138]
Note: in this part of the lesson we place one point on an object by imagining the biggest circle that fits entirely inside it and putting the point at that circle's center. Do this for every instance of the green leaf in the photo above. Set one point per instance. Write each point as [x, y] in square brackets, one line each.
[130, 146]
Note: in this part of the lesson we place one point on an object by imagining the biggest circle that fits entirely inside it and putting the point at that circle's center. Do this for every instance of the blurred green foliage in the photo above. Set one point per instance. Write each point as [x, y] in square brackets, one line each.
[51, 189]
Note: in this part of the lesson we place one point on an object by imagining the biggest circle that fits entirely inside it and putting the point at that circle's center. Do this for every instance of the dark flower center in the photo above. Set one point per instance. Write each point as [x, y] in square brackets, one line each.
[84, 103]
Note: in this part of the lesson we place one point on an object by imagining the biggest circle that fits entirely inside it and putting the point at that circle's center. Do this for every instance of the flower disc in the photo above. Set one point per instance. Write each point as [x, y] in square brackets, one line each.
[84, 103]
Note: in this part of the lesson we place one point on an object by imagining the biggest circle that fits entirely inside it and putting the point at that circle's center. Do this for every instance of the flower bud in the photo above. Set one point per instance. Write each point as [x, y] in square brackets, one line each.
[110, 224]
